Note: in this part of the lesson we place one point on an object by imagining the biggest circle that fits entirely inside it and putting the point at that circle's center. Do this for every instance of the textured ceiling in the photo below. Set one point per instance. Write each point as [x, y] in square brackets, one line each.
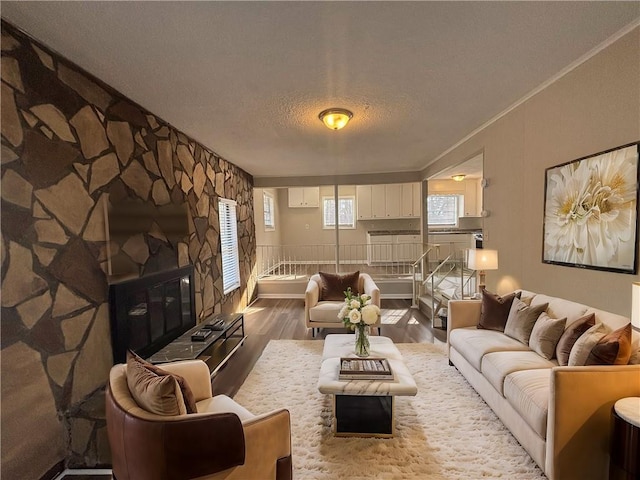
[248, 79]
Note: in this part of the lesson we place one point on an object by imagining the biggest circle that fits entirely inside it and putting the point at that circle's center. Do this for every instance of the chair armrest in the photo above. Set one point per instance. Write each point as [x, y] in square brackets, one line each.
[267, 439]
[185, 448]
[371, 289]
[579, 421]
[311, 297]
[196, 374]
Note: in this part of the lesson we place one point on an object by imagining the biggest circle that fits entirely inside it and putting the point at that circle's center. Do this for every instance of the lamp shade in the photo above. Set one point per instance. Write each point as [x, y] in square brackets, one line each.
[635, 305]
[483, 259]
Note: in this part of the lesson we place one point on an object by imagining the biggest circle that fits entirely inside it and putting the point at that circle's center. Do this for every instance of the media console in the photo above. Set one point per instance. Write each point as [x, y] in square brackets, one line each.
[214, 350]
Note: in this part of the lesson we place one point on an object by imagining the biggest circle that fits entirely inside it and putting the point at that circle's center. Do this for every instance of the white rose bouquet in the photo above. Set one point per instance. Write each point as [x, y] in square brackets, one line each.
[357, 314]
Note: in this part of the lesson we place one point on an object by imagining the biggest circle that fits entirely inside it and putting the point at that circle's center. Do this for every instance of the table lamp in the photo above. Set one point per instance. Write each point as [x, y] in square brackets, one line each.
[635, 305]
[482, 259]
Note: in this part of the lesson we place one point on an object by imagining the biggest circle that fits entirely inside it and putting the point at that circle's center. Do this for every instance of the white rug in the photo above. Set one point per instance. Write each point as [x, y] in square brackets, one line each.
[445, 432]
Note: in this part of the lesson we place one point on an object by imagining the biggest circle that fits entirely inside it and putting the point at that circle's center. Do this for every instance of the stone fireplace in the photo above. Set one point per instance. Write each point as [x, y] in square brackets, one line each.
[71, 147]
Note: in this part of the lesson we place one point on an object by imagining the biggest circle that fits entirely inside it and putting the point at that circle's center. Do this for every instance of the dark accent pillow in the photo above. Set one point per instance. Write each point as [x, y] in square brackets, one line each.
[187, 393]
[571, 335]
[612, 349]
[495, 310]
[334, 285]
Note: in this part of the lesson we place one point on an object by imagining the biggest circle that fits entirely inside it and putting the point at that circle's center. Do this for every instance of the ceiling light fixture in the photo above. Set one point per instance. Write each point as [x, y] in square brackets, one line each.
[458, 178]
[335, 118]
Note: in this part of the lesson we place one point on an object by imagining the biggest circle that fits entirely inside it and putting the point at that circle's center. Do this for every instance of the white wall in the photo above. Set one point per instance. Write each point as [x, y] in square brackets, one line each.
[594, 107]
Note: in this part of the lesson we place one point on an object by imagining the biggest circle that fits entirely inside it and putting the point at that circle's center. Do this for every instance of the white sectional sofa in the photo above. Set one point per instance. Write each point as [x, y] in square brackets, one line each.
[561, 415]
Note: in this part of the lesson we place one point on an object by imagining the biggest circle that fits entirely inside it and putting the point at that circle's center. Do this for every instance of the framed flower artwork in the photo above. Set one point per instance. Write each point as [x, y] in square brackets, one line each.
[591, 211]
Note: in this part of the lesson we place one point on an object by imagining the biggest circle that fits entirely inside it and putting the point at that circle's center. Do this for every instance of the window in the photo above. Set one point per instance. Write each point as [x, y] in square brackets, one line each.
[346, 212]
[269, 213]
[229, 245]
[443, 210]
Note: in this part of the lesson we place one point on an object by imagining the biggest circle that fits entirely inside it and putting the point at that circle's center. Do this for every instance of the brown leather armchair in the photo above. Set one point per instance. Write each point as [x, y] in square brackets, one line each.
[222, 441]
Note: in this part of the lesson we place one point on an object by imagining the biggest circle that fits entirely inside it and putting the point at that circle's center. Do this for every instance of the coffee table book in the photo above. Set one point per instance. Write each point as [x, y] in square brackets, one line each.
[365, 369]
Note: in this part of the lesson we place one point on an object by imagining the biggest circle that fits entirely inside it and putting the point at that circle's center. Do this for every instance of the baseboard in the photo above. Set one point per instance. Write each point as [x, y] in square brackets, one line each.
[83, 472]
[54, 472]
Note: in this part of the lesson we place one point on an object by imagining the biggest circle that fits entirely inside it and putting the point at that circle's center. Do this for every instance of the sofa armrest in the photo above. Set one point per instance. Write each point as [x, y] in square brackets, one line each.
[579, 421]
[371, 289]
[268, 446]
[311, 297]
[196, 374]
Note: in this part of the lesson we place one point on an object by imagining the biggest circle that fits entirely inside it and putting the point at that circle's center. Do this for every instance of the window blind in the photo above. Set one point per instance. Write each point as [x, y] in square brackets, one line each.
[229, 245]
[442, 209]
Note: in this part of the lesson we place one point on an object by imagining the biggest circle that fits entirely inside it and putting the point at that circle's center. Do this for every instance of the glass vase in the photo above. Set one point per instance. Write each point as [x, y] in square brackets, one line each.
[363, 346]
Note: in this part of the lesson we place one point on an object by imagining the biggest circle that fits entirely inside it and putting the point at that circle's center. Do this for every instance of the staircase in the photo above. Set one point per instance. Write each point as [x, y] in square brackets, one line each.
[449, 279]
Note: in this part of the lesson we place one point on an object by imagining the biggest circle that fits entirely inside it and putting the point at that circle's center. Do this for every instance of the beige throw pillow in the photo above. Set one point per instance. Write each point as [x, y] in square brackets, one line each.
[521, 320]
[583, 346]
[545, 335]
[155, 394]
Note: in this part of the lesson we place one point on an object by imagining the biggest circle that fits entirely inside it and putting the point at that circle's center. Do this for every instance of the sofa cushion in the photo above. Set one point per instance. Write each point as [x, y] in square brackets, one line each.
[612, 349]
[473, 343]
[334, 285]
[528, 392]
[326, 312]
[583, 346]
[157, 394]
[495, 310]
[545, 335]
[521, 320]
[571, 334]
[223, 404]
[497, 365]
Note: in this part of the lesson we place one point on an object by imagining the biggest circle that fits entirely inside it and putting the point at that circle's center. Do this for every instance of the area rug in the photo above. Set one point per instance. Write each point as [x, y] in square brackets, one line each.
[445, 432]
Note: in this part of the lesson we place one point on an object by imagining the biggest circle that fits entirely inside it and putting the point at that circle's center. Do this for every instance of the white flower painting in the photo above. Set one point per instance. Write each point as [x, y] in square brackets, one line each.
[591, 211]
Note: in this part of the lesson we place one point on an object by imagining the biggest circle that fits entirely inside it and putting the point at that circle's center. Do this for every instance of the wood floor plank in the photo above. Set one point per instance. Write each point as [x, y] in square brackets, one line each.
[275, 319]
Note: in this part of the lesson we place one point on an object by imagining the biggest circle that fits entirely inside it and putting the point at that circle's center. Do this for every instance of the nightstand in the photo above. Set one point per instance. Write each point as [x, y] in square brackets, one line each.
[624, 463]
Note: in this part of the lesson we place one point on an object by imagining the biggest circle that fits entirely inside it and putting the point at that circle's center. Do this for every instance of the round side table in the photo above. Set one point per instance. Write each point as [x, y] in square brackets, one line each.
[625, 440]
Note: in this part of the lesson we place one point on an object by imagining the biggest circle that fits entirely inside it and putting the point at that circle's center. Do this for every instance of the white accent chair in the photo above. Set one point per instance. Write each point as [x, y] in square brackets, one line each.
[324, 314]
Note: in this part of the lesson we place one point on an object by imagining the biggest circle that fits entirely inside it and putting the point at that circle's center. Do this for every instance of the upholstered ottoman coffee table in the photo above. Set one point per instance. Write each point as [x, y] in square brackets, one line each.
[363, 407]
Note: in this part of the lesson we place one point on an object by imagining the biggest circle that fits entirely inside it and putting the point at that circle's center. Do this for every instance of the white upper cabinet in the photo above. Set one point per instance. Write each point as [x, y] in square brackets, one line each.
[304, 197]
[378, 205]
[363, 199]
[393, 199]
[397, 200]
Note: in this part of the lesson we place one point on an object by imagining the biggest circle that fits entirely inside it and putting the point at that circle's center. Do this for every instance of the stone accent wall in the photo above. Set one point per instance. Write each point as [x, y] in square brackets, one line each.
[72, 147]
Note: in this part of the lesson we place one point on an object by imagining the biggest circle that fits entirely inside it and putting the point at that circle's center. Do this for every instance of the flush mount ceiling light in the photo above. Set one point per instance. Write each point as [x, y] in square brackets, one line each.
[458, 178]
[335, 118]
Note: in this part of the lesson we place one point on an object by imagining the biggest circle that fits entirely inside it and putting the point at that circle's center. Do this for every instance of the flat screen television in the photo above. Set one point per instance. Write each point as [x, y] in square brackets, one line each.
[147, 313]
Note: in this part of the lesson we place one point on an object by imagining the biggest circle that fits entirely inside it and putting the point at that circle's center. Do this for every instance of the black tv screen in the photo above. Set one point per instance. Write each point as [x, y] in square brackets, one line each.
[149, 312]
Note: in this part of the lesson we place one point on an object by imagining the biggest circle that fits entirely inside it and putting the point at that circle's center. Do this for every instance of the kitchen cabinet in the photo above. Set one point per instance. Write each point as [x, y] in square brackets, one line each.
[301, 197]
[378, 205]
[388, 201]
[363, 199]
[410, 200]
[392, 200]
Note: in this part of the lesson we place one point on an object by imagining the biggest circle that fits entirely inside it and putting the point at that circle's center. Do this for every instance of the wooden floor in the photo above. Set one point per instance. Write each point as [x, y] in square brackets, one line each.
[272, 319]
[269, 319]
